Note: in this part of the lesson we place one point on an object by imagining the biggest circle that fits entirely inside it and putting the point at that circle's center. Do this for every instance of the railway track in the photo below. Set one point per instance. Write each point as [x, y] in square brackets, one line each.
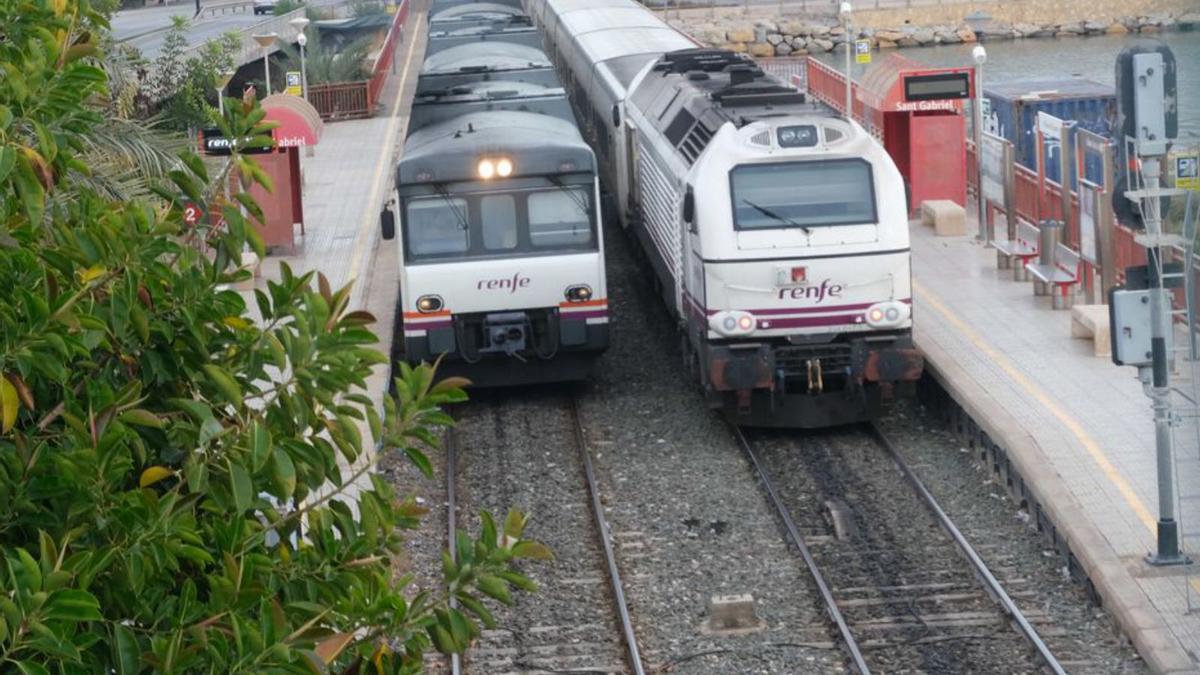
[904, 589]
[579, 621]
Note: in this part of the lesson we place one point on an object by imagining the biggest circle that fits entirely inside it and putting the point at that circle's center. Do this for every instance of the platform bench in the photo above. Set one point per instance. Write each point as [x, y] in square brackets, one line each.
[1062, 275]
[1091, 321]
[1016, 253]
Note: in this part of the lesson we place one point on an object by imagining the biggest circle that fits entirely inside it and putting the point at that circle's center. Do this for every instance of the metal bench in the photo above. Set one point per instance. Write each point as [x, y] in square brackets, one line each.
[1022, 249]
[1063, 274]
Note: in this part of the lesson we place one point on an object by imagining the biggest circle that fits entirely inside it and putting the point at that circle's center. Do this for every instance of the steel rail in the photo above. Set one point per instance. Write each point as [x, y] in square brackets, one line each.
[981, 569]
[849, 643]
[614, 575]
[451, 526]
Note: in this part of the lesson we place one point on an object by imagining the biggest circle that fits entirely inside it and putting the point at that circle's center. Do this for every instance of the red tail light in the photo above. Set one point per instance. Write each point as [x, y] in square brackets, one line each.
[799, 274]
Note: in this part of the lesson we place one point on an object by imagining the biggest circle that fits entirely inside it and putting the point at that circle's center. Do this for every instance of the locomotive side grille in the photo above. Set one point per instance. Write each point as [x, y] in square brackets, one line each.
[660, 204]
[695, 142]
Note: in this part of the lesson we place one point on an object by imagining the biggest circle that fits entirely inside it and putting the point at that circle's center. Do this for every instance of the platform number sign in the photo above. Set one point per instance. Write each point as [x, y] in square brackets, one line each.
[191, 213]
[862, 51]
[293, 83]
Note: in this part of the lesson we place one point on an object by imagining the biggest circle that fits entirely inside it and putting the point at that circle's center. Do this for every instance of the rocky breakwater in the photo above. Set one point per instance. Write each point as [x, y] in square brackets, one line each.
[772, 37]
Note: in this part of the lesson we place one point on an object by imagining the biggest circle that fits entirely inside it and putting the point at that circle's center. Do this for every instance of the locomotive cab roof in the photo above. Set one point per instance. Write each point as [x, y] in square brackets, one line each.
[537, 145]
[481, 57]
[473, 11]
[435, 106]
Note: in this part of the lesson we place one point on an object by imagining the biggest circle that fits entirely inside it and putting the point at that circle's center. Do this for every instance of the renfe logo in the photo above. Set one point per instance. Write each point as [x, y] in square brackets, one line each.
[517, 281]
[818, 293]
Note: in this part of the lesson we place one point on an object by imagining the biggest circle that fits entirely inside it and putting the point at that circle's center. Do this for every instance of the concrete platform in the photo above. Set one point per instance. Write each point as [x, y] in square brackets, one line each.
[1076, 428]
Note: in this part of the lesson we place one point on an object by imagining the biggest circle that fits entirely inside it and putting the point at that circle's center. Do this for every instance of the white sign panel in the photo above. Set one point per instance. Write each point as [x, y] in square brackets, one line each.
[993, 169]
[1050, 126]
[1088, 197]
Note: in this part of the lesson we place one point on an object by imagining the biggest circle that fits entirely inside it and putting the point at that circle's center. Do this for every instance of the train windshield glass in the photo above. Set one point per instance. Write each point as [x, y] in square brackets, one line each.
[437, 226]
[820, 193]
[559, 218]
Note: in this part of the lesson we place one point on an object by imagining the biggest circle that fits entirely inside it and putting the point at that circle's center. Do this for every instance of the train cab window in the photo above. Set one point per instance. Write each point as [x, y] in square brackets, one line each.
[498, 216]
[817, 193]
[559, 218]
[436, 226]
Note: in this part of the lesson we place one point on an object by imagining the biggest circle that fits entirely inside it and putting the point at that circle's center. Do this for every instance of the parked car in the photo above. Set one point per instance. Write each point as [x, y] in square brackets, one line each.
[265, 6]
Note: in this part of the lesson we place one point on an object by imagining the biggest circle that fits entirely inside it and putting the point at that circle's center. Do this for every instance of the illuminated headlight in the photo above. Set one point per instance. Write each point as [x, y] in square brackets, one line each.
[486, 169]
[427, 304]
[887, 314]
[579, 293]
[504, 168]
[733, 323]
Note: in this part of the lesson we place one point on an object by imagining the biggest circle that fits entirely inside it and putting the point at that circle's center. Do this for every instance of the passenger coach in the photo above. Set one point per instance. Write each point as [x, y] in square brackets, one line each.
[497, 206]
[777, 230]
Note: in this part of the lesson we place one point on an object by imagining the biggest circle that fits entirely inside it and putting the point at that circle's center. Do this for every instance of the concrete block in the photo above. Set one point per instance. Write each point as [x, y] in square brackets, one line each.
[732, 614]
[1091, 321]
[947, 218]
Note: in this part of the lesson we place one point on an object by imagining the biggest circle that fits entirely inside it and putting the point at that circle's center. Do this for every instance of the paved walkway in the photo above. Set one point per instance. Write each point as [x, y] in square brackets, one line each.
[1090, 421]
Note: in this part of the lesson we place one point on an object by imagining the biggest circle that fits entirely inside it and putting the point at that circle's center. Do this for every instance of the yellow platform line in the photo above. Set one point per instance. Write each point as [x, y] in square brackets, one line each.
[381, 165]
[1072, 425]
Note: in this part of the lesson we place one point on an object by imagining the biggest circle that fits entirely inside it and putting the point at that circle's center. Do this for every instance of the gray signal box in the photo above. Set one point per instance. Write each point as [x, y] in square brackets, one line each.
[1129, 317]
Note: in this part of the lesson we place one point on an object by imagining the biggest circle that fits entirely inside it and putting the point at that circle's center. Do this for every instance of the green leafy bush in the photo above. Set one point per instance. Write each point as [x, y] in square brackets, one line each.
[170, 462]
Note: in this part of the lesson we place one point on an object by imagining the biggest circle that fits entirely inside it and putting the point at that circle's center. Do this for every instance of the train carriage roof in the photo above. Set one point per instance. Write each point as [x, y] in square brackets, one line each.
[602, 45]
[484, 56]
[582, 21]
[450, 150]
[474, 10]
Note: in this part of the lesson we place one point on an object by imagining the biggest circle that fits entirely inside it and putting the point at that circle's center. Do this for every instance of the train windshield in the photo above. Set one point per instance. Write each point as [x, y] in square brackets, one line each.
[498, 224]
[819, 193]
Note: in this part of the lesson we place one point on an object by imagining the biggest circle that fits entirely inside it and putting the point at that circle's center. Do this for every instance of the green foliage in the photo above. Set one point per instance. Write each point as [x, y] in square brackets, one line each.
[367, 7]
[170, 458]
[284, 6]
[182, 81]
[327, 61]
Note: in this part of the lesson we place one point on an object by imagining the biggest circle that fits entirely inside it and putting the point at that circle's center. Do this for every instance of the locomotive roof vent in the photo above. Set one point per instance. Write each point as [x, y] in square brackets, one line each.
[697, 75]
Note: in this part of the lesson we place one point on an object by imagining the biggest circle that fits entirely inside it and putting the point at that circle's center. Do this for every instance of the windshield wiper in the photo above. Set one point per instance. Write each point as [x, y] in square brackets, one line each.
[445, 195]
[573, 194]
[775, 216]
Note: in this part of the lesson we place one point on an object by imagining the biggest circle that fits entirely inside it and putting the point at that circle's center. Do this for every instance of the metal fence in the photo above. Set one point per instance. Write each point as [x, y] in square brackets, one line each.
[348, 100]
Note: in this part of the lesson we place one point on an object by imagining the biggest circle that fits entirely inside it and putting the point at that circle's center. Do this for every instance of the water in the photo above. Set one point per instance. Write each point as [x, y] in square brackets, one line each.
[1093, 58]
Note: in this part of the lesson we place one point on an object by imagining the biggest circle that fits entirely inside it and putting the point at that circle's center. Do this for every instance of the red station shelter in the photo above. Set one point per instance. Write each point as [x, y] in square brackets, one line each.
[918, 112]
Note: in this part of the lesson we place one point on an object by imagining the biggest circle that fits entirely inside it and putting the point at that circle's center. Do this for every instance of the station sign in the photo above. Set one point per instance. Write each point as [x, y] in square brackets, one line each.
[862, 51]
[994, 169]
[214, 143]
[937, 87]
[1187, 172]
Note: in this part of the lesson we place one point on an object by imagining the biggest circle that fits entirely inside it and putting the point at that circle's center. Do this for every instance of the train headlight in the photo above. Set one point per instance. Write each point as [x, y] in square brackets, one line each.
[886, 314]
[733, 323]
[797, 137]
[579, 293]
[504, 168]
[427, 304]
[486, 169]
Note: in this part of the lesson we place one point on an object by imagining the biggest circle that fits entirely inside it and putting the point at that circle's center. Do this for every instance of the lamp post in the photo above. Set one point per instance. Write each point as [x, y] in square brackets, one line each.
[844, 14]
[979, 55]
[222, 81]
[301, 23]
[265, 41]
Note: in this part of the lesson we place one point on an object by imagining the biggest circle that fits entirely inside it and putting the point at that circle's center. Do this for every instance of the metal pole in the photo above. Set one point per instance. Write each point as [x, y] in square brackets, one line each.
[303, 75]
[1064, 173]
[221, 101]
[849, 80]
[1160, 389]
[984, 230]
[1104, 221]
[267, 68]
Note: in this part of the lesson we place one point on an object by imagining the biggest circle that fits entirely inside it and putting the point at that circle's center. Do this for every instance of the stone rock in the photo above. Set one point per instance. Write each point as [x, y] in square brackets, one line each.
[819, 30]
[739, 47]
[1066, 34]
[1189, 19]
[948, 37]
[1095, 27]
[994, 30]
[1072, 28]
[740, 35]
[1026, 29]
[886, 44]
[711, 36]
[888, 34]
[793, 28]
[1116, 29]
[818, 45]
[908, 41]
[1149, 28]
[760, 34]
[965, 34]
[767, 26]
[774, 38]
[761, 49]
[837, 30]
[783, 49]
[923, 36]
[799, 43]
[1042, 33]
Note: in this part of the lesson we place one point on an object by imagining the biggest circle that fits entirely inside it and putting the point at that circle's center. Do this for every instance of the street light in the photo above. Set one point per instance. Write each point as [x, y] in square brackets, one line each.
[265, 41]
[979, 54]
[223, 79]
[844, 14]
[301, 23]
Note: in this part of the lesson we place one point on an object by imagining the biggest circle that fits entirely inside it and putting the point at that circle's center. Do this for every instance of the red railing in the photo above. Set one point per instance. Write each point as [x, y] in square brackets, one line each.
[828, 85]
[346, 100]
